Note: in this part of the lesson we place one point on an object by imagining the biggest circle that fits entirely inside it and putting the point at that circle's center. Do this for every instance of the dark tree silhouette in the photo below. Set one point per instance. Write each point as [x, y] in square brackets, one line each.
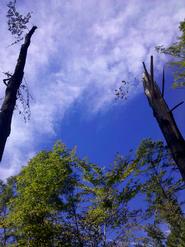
[17, 24]
[164, 117]
[12, 86]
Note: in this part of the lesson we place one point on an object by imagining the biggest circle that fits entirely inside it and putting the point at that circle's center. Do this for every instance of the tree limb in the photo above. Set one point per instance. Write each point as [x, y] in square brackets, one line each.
[182, 102]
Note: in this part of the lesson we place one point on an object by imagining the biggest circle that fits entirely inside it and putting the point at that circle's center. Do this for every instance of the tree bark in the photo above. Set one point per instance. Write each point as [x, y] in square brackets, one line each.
[8, 105]
[165, 119]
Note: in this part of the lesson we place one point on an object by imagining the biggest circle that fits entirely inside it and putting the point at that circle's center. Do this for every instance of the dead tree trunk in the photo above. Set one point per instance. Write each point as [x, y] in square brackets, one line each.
[165, 119]
[14, 82]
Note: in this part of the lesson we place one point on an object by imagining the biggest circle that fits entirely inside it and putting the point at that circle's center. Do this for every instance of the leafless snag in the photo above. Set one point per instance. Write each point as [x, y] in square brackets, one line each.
[17, 24]
[13, 85]
[164, 117]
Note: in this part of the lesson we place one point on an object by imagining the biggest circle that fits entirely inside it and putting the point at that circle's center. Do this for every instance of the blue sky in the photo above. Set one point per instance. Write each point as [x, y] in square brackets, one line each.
[79, 55]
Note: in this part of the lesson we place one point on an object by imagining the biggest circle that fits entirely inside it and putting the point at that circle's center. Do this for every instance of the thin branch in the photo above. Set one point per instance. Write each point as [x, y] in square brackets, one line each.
[163, 82]
[5, 81]
[152, 73]
[176, 106]
[152, 69]
[146, 72]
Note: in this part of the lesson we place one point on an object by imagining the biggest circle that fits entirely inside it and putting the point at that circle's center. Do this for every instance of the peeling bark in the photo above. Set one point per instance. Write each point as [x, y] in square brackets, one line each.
[8, 105]
[165, 119]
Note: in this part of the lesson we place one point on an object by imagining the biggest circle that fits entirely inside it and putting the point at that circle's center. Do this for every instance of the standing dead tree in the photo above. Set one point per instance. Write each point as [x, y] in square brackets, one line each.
[13, 84]
[164, 117]
[17, 24]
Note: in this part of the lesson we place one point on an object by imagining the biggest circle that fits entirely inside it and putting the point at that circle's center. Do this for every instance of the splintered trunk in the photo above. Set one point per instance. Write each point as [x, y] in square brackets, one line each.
[8, 105]
[165, 119]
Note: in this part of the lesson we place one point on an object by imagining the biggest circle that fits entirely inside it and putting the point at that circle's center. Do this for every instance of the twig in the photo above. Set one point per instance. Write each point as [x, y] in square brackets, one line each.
[163, 82]
[152, 69]
[146, 72]
[176, 106]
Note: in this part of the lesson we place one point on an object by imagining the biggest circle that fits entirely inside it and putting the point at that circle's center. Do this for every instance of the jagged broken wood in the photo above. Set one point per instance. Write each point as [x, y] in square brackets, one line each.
[165, 118]
[13, 84]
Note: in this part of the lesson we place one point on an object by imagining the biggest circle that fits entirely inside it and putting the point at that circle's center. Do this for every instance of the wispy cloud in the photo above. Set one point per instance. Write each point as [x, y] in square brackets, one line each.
[81, 48]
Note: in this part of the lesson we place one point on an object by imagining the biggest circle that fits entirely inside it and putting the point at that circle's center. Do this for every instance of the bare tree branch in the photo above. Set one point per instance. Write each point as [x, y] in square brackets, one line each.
[182, 102]
[163, 82]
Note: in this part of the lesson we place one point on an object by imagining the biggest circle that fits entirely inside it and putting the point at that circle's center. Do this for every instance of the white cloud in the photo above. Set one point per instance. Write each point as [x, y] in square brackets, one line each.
[81, 47]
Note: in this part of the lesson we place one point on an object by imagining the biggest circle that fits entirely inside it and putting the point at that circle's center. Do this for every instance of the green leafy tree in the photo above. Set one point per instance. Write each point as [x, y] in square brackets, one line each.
[6, 194]
[109, 195]
[161, 187]
[51, 204]
[43, 188]
[61, 200]
[177, 50]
